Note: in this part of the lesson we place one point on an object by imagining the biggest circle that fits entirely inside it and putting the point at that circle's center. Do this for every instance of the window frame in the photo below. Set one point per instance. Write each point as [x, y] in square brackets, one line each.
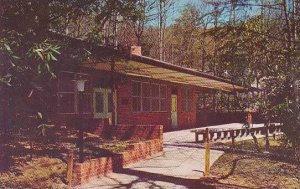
[138, 96]
[151, 97]
[106, 92]
[163, 98]
[74, 92]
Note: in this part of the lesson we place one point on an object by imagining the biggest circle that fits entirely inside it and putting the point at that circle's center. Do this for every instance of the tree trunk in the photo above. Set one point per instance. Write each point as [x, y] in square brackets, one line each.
[161, 28]
[267, 136]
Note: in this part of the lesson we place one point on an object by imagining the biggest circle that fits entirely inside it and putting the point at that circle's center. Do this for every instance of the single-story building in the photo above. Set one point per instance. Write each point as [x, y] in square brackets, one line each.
[129, 88]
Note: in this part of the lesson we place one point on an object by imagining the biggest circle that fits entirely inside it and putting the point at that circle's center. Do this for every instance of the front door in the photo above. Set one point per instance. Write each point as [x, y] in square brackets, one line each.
[102, 101]
[174, 112]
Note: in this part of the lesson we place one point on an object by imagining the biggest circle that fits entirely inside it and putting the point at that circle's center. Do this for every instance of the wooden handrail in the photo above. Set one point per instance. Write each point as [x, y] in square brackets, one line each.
[230, 133]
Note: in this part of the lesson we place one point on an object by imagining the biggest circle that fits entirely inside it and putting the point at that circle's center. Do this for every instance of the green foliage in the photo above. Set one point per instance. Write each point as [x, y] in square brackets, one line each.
[186, 43]
[31, 52]
[289, 115]
[44, 53]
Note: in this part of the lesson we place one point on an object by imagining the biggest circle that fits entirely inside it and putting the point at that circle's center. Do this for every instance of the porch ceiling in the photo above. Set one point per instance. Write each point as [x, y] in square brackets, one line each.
[167, 72]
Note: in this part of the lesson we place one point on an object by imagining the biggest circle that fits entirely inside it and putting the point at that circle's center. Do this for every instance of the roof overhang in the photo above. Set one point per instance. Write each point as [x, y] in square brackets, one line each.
[142, 66]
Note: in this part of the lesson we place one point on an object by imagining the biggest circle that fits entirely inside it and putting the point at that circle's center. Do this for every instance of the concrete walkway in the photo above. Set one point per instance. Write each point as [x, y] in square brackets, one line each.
[179, 166]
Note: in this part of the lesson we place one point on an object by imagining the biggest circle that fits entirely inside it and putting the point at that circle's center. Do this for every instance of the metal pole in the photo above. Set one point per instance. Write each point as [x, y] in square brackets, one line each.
[81, 133]
[70, 168]
[81, 156]
[113, 92]
[207, 153]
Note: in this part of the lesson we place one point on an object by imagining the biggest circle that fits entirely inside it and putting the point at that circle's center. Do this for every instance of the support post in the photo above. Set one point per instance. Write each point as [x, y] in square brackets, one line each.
[207, 153]
[113, 91]
[70, 161]
[81, 141]
[81, 129]
[232, 138]
[196, 136]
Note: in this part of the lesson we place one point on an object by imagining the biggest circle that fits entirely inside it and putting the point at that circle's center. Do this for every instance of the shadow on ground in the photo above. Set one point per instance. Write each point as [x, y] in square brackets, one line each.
[154, 180]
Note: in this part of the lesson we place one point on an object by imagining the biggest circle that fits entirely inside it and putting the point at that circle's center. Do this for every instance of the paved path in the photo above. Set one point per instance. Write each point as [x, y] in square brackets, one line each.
[179, 166]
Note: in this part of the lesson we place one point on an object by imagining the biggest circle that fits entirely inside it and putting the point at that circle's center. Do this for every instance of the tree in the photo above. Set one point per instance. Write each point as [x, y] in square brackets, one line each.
[31, 52]
[185, 31]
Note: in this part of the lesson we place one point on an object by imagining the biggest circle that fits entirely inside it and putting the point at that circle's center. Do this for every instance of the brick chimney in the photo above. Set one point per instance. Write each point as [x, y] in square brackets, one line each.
[136, 50]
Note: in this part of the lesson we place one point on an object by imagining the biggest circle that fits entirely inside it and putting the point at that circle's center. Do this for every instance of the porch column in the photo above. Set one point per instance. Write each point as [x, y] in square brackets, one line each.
[113, 92]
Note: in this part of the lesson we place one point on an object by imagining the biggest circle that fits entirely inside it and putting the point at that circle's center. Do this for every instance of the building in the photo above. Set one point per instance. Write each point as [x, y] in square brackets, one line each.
[128, 88]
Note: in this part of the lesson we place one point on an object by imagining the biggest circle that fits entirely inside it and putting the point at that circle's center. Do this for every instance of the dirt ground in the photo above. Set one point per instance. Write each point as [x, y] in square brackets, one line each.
[28, 160]
[258, 170]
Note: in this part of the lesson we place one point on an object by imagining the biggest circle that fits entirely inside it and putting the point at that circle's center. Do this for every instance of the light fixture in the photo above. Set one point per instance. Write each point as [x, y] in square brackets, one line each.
[80, 85]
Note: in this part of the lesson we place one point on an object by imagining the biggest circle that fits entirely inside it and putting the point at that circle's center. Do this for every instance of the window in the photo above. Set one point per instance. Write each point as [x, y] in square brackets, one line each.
[209, 101]
[136, 96]
[147, 97]
[187, 100]
[218, 102]
[69, 101]
[155, 98]
[102, 103]
[99, 102]
[163, 98]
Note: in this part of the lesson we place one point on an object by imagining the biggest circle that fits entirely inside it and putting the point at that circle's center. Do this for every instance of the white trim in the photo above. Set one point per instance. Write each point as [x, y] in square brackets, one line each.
[105, 92]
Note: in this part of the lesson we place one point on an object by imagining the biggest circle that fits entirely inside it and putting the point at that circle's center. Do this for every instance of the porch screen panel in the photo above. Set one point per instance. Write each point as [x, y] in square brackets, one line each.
[146, 95]
[66, 82]
[217, 102]
[69, 100]
[86, 103]
[163, 98]
[66, 94]
[84, 100]
[155, 97]
[99, 106]
[110, 102]
[136, 96]
[66, 103]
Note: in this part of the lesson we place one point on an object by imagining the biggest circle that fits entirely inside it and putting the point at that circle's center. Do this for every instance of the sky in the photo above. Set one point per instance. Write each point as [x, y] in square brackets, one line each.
[175, 10]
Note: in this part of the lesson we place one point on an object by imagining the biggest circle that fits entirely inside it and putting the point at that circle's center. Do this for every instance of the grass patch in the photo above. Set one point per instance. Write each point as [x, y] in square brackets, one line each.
[257, 171]
[38, 173]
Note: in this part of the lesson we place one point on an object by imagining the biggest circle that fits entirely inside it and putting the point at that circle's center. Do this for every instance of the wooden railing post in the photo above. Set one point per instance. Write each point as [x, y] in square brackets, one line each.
[232, 138]
[267, 136]
[207, 153]
[197, 136]
[70, 162]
